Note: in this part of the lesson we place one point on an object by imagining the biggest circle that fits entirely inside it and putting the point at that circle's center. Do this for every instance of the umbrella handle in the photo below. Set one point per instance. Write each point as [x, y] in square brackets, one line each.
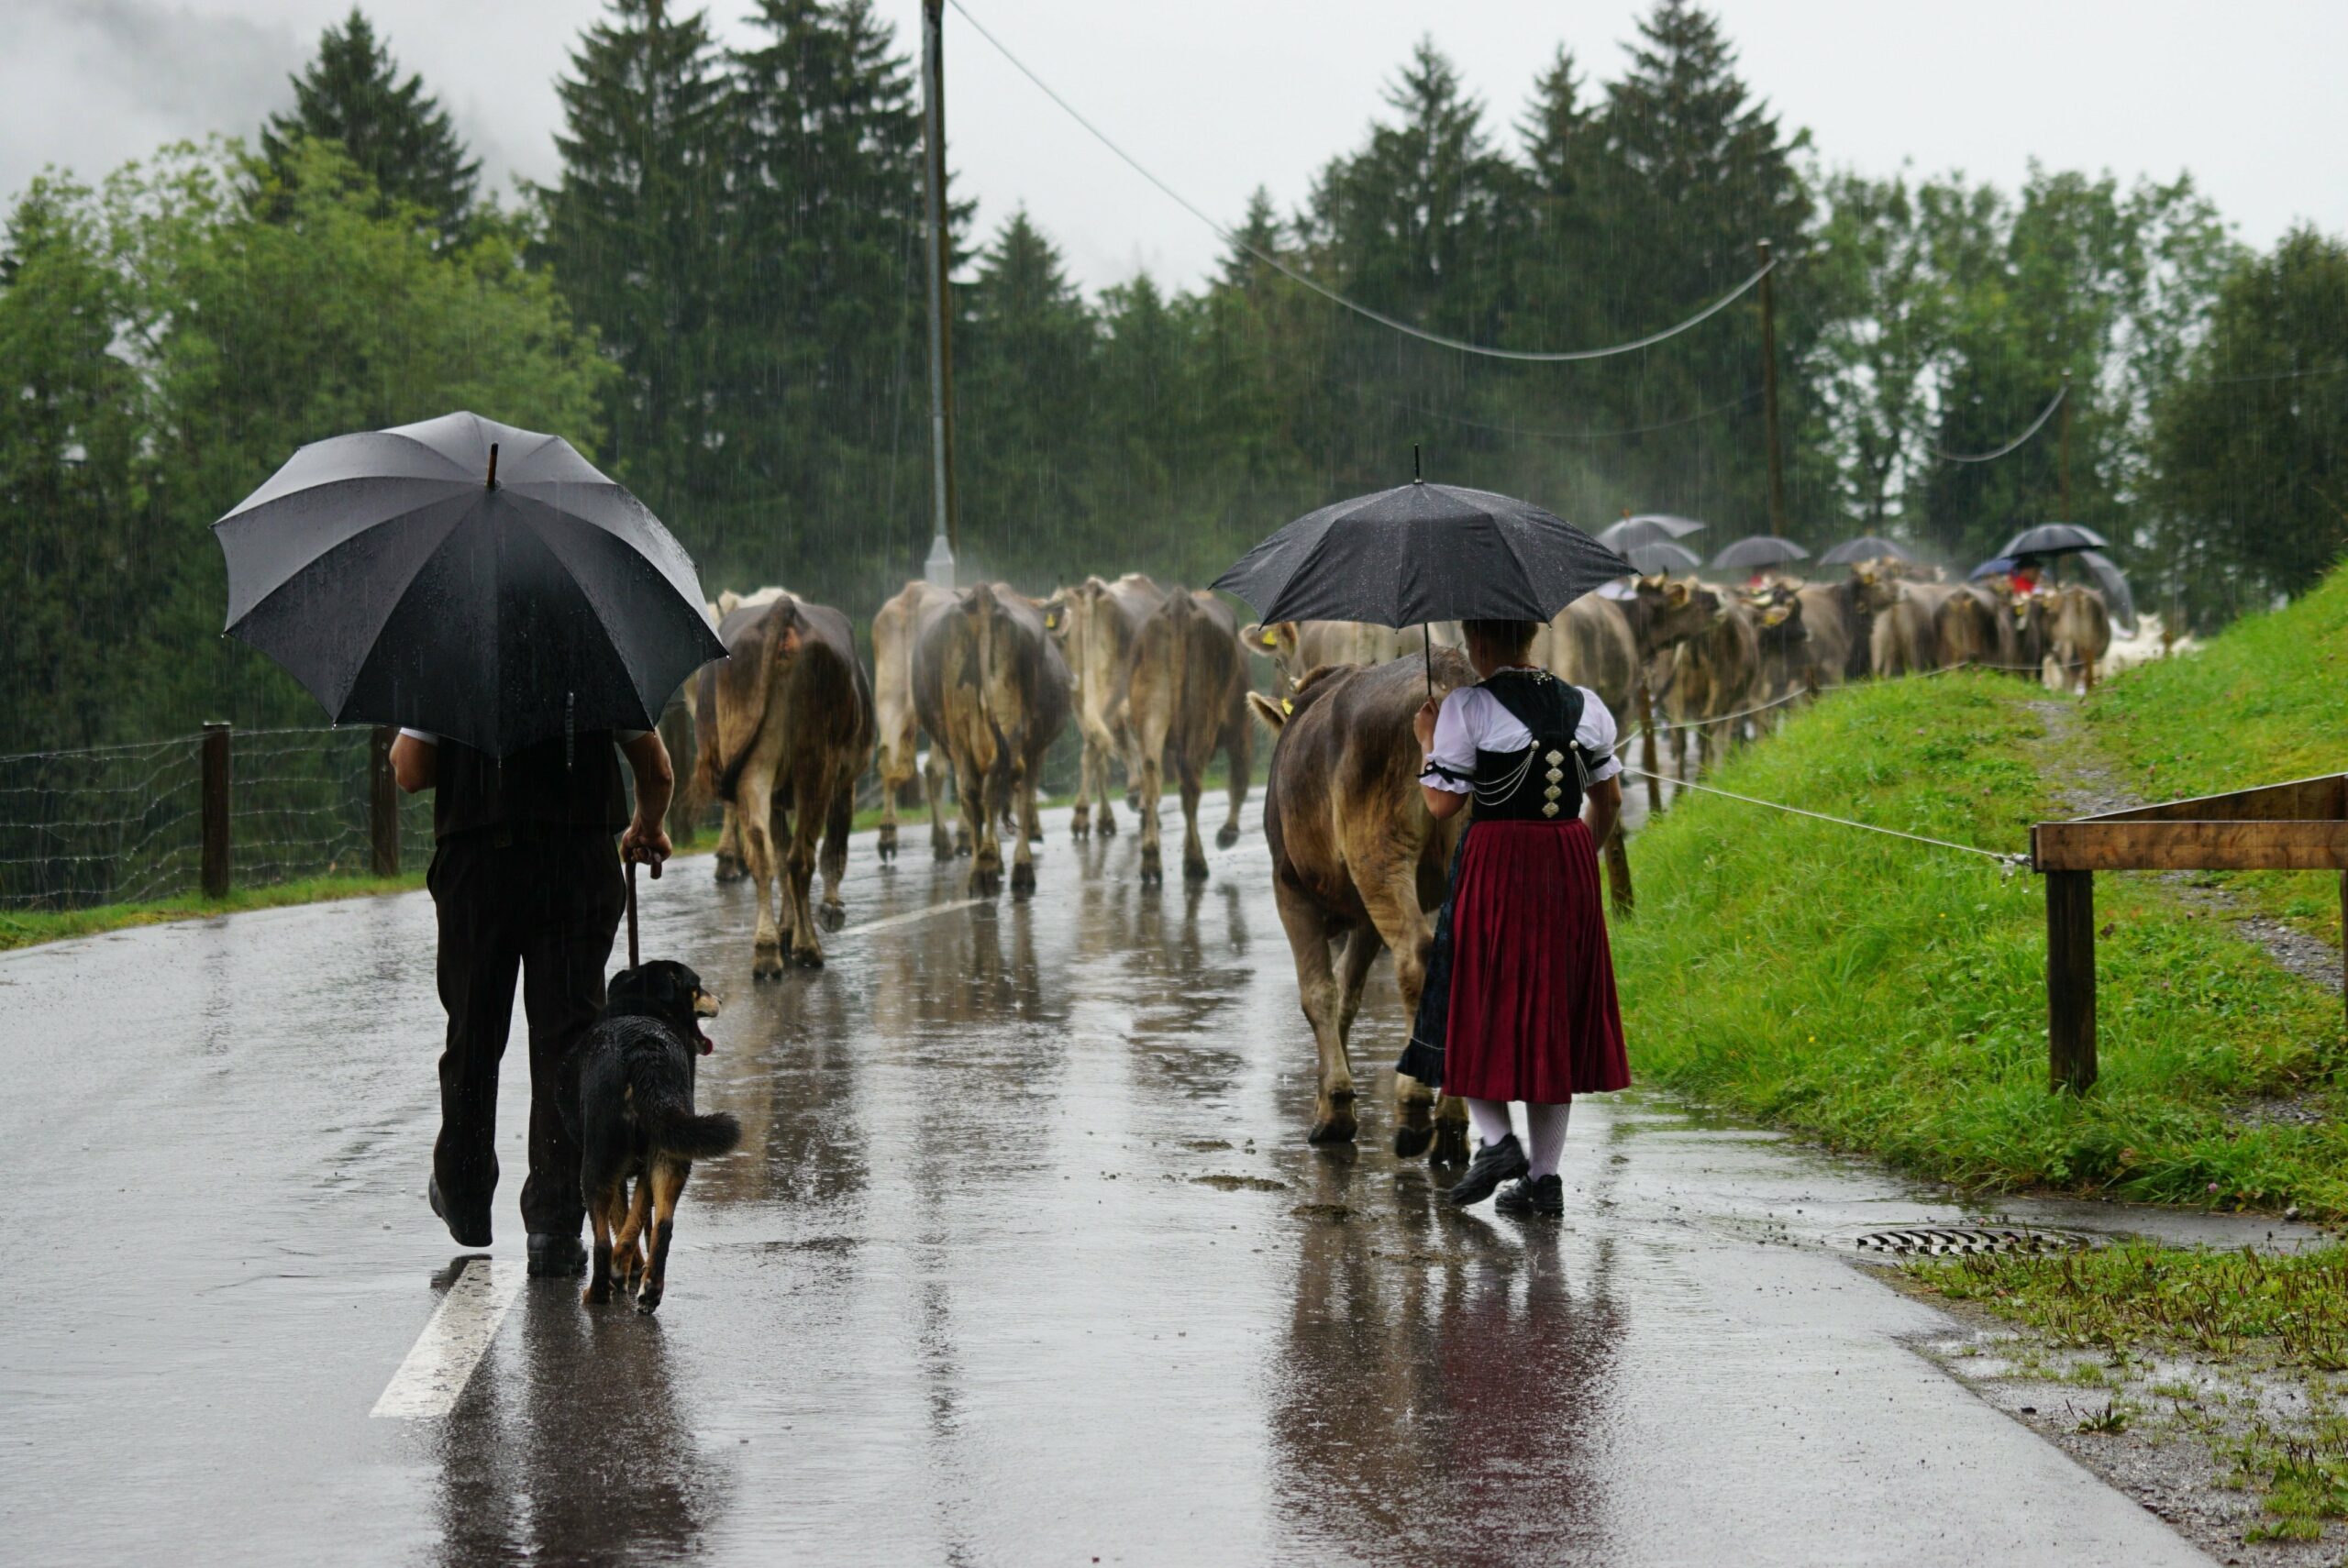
[1427, 646]
[631, 956]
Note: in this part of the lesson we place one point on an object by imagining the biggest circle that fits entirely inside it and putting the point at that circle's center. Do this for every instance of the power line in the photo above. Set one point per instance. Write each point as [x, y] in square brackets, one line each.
[2035, 425]
[2278, 375]
[1234, 239]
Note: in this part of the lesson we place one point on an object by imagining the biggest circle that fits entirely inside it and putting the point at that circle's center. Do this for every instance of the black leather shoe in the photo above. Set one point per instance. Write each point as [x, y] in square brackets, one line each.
[1533, 1195]
[554, 1254]
[1493, 1164]
[467, 1233]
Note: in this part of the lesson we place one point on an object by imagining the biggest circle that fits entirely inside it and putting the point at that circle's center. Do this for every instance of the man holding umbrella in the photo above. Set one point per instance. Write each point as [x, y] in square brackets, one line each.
[524, 628]
[525, 884]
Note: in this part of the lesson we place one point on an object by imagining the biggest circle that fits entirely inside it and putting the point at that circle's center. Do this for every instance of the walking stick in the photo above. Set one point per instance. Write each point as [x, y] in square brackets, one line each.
[632, 956]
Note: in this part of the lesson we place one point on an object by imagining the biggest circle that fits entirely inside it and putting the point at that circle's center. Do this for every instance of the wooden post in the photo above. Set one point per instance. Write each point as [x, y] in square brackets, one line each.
[2343, 936]
[1650, 760]
[2070, 980]
[215, 808]
[946, 503]
[383, 802]
[1769, 391]
[1618, 873]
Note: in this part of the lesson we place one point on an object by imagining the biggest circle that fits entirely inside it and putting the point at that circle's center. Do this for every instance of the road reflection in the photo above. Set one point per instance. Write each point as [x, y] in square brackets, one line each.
[579, 1455]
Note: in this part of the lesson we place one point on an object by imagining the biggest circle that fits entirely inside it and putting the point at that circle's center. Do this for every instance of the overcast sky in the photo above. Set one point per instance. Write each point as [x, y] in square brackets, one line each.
[1219, 95]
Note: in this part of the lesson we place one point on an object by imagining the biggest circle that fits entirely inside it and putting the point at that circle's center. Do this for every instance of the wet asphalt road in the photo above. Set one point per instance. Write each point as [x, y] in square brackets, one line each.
[1024, 1261]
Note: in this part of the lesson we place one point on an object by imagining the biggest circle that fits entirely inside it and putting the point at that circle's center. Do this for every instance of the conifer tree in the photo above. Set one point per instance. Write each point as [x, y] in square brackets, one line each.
[392, 131]
[633, 234]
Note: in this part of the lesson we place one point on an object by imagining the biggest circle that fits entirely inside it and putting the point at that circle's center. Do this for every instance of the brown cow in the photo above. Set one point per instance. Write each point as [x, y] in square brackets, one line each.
[794, 734]
[2082, 634]
[1589, 644]
[1187, 690]
[1714, 675]
[1297, 647]
[1907, 639]
[1355, 854]
[992, 690]
[730, 865]
[1094, 622]
[894, 630]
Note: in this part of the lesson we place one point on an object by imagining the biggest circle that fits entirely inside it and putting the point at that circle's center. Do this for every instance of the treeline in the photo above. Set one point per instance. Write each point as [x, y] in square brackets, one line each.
[720, 300]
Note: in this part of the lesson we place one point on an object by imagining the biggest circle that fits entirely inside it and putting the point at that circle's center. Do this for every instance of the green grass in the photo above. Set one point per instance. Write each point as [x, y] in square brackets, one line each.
[2265, 701]
[1888, 998]
[21, 929]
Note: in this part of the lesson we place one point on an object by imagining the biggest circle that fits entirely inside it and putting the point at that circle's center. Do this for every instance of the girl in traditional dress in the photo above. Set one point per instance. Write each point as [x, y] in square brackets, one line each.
[1519, 1003]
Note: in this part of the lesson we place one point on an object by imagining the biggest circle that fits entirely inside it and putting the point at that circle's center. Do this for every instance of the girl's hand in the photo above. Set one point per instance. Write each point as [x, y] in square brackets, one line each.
[1423, 723]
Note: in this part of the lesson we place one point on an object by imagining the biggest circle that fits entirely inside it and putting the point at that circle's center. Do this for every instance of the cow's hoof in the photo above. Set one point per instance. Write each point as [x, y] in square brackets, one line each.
[831, 917]
[1450, 1144]
[1023, 879]
[942, 849]
[985, 884]
[1194, 870]
[1227, 835]
[807, 957]
[1337, 1127]
[1410, 1141]
[1108, 824]
[767, 962]
[1153, 870]
[1080, 828]
[886, 842]
[730, 869]
[1133, 800]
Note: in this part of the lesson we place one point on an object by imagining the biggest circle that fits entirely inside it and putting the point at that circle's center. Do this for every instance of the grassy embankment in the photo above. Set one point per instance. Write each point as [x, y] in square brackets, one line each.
[1888, 998]
[2264, 702]
[23, 929]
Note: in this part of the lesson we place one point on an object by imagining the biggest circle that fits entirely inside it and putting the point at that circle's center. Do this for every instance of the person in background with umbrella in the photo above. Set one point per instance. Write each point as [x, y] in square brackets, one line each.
[1519, 1002]
[524, 625]
[525, 884]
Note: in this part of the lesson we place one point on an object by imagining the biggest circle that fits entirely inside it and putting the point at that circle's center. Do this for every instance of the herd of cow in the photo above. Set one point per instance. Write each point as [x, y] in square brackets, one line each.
[1156, 678]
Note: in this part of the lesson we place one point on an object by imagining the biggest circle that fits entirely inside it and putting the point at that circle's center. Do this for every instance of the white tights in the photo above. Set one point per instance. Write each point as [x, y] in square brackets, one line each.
[1544, 1131]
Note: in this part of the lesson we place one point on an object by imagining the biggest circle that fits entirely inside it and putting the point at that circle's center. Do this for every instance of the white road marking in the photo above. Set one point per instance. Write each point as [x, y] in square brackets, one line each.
[910, 916]
[441, 1363]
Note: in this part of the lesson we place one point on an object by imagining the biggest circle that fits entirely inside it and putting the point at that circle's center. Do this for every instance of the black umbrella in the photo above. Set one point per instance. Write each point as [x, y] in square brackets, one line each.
[1646, 528]
[2054, 539]
[1421, 553]
[464, 577]
[1662, 556]
[1866, 548]
[2116, 595]
[1759, 551]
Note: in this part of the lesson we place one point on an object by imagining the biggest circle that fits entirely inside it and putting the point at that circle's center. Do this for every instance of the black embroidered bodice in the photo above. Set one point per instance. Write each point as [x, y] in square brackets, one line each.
[1544, 781]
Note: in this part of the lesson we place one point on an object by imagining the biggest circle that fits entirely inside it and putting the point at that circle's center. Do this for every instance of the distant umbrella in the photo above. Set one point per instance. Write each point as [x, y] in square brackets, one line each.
[1866, 548]
[1646, 528]
[2054, 539]
[1759, 551]
[459, 576]
[2117, 599]
[1996, 566]
[1662, 556]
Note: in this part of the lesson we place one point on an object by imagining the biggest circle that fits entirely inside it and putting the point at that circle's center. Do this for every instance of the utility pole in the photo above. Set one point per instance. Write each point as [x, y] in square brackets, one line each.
[2067, 515]
[939, 568]
[1769, 390]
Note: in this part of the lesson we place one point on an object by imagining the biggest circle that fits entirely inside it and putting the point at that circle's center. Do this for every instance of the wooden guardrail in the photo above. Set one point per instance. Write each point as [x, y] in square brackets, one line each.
[2298, 826]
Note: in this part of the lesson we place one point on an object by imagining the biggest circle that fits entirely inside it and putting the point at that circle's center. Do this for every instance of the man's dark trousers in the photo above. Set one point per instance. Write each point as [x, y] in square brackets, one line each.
[543, 900]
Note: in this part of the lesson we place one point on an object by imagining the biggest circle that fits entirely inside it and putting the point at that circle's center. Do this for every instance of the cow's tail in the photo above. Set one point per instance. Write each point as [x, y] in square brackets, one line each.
[669, 1118]
[730, 778]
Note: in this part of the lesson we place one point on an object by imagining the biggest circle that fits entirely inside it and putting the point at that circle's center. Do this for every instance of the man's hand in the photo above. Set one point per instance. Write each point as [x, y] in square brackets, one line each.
[1423, 723]
[647, 844]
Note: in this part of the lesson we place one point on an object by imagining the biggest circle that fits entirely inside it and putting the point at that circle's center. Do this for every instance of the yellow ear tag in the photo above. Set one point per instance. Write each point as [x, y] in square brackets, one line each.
[1271, 639]
[1287, 706]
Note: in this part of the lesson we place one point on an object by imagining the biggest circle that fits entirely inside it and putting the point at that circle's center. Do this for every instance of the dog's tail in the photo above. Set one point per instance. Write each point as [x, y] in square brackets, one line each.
[669, 1118]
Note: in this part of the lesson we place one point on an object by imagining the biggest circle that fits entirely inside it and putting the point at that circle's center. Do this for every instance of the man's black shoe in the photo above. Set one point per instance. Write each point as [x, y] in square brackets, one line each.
[553, 1254]
[1493, 1164]
[1533, 1195]
[472, 1234]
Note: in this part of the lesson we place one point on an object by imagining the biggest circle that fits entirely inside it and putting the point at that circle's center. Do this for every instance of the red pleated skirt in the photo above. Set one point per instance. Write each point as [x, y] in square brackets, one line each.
[1533, 1015]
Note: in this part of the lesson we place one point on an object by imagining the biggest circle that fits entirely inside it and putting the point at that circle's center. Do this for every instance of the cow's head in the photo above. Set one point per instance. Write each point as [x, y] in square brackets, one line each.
[1276, 641]
[1671, 610]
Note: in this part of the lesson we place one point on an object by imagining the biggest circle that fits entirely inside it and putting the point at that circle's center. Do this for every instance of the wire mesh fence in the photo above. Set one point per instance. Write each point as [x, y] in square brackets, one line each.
[124, 824]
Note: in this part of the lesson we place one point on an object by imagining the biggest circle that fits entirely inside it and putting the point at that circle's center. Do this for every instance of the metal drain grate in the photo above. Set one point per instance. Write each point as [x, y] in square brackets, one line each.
[1963, 1240]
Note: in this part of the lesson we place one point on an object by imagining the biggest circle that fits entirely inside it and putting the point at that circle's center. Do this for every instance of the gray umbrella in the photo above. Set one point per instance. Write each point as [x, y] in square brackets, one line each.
[1646, 528]
[2117, 599]
[1421, 552]
[1662, 556]
[464, 577]
[1759, 551]
[1866, 548]
[2054, 539]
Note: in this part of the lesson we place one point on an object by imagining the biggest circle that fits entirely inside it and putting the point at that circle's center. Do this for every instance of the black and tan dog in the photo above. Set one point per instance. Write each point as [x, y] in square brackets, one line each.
[635, 1121]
